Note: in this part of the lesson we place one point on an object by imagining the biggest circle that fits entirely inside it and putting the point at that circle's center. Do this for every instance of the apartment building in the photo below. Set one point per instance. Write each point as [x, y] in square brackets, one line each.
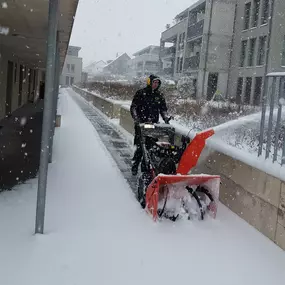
[145, 61]
[72, 69]
[249, 63]
[172, 45]
[199, 45]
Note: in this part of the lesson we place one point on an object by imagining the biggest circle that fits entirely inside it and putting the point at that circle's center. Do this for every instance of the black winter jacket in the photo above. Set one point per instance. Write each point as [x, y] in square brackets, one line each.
[147, 105]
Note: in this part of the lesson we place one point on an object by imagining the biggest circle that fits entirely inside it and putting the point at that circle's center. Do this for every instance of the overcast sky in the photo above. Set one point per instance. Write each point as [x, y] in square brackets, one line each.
[104, 27]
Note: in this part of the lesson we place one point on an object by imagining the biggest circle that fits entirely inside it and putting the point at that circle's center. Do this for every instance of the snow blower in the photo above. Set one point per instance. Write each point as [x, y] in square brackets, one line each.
[165, 189]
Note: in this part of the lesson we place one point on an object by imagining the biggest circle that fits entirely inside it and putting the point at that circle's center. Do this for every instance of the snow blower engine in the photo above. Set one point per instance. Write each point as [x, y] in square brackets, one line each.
[165, 189]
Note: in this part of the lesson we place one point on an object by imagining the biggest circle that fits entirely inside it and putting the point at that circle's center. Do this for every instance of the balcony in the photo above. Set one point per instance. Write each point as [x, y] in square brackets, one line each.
[168, 52]
[195, 30]
[192, 62]
[171, 34]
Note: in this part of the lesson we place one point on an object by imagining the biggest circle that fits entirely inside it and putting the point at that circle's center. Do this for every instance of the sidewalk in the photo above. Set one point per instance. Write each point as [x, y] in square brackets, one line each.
[96, 232]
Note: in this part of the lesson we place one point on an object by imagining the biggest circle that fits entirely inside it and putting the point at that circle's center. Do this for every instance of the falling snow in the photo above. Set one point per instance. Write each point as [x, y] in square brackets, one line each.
[4, 31]
[23, 121]
[4, 5]
[282, 101]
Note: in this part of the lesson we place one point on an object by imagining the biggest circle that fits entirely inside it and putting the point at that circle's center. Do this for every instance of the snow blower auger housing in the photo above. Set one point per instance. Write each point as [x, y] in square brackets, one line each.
[165, 189]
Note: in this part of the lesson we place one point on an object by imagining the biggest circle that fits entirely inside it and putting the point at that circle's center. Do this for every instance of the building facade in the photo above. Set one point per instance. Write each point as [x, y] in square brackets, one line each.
[249, 62]
[201, 43]
[222, 44]
[72, 69]
[146, 61]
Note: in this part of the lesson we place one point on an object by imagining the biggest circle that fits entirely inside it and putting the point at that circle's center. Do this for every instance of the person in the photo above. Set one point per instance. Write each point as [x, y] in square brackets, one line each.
[147, 104]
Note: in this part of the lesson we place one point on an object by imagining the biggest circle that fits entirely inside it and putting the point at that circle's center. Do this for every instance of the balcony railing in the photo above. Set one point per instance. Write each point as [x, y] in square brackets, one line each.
[192, 62]
[195, 30]
[168, 52]
[171, 34]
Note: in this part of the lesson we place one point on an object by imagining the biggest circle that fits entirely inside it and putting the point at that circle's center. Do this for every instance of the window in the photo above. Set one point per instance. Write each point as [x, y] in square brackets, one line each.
[181, 64]
[243, 52]
[72, 68]
[248, 83]
[177, 65]
[257, 91]
[255, 13]
[247, 15]
[182, 40]
[251, 53]
[179, 41]
[239, 90]
[67, 80]
[68, 67]
[261, 50]
[283, 53]
[265, 12]
[71, 80]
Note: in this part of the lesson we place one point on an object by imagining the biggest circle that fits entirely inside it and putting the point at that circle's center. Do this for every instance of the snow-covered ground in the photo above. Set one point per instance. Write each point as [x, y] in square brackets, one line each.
[96, 232]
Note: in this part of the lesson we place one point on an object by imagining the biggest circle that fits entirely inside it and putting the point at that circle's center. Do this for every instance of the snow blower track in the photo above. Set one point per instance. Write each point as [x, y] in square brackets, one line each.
[112, 139]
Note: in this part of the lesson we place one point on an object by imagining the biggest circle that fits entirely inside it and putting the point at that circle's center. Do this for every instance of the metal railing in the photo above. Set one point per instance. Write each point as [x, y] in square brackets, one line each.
[272, 128]
[195, 30]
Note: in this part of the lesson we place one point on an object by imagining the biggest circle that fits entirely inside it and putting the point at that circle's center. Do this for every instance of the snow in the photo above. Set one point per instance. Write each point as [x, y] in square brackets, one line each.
[96, 232]
[276, 74]
[282, 101]
[4, 5]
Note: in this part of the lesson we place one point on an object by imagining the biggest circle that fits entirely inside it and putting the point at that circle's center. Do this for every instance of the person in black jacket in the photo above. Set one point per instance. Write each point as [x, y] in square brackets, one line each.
[148, 103]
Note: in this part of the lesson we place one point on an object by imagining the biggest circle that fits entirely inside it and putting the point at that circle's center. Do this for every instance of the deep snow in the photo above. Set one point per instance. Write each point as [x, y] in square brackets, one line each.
[96, 232]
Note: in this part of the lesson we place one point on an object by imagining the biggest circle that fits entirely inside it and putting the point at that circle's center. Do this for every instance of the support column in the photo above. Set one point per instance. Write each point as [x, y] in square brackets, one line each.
[47, 115]
[55, 99]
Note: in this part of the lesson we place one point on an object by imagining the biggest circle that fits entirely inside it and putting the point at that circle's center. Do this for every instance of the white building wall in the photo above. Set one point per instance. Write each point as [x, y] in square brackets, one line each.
[69, 73]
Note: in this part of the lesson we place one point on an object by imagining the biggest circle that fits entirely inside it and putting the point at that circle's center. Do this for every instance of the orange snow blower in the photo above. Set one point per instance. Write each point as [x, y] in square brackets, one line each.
[165, 189]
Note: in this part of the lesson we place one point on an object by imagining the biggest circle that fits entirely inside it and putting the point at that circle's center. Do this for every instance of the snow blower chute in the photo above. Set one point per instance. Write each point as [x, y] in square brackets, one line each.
[165, 189]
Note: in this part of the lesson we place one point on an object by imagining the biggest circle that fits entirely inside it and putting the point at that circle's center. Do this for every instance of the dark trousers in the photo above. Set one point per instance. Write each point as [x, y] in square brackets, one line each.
[138, 155]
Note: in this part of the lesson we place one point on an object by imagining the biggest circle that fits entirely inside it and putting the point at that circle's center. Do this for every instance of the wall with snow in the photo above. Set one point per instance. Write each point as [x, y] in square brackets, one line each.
[106, 106]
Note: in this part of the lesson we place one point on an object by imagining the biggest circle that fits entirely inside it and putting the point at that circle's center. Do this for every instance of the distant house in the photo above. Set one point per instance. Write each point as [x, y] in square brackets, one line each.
[146, 61]
[95, 67]
[72, 69]
[119, 66]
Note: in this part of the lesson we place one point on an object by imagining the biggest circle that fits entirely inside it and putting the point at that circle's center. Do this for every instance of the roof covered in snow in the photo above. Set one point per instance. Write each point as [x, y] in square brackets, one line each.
[119, 57]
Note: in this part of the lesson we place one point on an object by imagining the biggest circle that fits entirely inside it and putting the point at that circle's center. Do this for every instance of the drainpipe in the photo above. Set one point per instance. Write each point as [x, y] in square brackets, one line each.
[265, 80]
[231, 51]
[207, 46]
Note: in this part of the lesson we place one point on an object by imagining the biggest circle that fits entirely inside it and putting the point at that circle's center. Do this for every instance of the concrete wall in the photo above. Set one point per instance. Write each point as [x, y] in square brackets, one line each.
[4, 58]
[254, 195]
[107, 107]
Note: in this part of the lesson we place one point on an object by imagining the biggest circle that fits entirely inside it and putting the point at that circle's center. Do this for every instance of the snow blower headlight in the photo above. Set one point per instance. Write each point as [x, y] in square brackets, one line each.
[149, 126]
